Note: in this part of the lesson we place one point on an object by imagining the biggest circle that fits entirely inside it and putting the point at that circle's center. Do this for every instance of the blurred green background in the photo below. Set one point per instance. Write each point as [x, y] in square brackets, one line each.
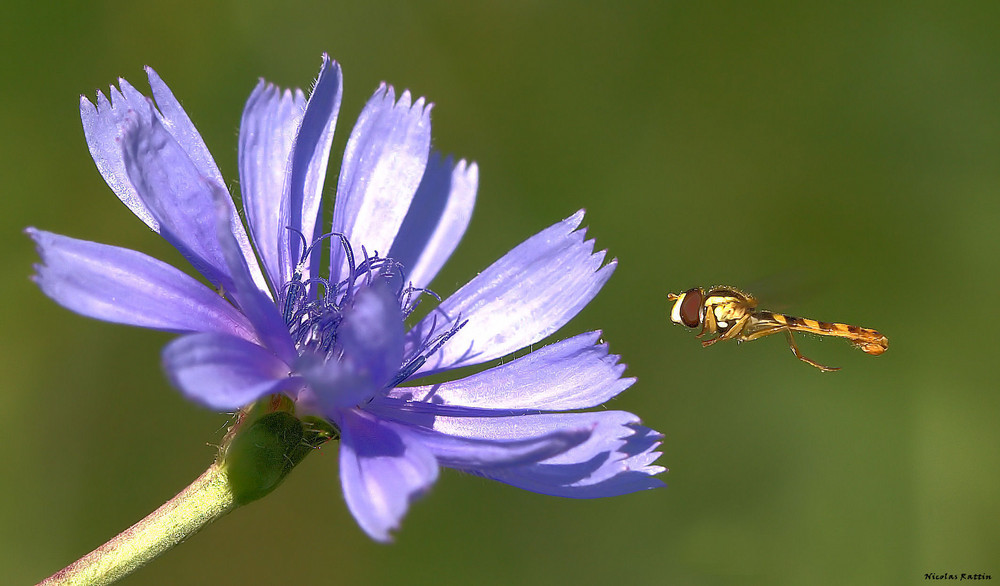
[856, 144]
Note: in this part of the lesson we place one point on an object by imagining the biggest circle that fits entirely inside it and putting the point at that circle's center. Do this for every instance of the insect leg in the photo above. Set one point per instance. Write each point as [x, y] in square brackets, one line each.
[766, 329]
[795, 350]
[730, 333]
[708, 325]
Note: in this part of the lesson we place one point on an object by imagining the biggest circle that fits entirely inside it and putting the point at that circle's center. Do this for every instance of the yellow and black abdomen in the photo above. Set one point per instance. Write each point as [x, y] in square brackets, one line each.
[870, 341]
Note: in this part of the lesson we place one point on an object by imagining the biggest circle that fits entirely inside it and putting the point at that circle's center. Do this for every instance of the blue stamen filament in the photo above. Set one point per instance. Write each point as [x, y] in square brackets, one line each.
[313, 309]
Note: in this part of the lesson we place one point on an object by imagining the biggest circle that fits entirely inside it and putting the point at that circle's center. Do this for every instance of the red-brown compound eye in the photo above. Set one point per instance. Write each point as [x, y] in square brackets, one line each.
[691, 307]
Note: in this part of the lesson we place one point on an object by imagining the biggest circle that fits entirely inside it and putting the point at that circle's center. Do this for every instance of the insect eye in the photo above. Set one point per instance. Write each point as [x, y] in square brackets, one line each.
[691, 307]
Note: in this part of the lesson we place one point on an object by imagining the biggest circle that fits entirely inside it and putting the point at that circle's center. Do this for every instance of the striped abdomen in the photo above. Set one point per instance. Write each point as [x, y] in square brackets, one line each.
[867, 340]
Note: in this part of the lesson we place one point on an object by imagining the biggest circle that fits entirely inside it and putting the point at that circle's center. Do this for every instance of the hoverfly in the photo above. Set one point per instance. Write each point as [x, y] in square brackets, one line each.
[731, 314]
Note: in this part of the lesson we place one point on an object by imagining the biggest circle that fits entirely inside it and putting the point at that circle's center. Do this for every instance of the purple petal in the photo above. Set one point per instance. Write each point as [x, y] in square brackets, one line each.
[572, 374]
[615, 460]
[437, 218]
[103, 127]
[481, 454]
[490, 427]
[520, 299]
[383, 164]
[371, 335]
[381, 472]
[267, 321]
[176, 121]
[223, 372]
[332, 385]
[267, 131]
[176, 193]
[124, 286]
[303, 192]
[166, 179]
[608, 473]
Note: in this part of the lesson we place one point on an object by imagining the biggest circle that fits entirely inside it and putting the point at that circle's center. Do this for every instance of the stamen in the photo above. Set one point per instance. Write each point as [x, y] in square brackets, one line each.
[348, 253]
[313, 308]
[367, 264]
[303, 245]
[425, 350]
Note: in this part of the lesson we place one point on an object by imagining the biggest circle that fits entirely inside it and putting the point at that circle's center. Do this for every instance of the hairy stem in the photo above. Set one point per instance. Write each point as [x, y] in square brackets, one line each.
[203, 501]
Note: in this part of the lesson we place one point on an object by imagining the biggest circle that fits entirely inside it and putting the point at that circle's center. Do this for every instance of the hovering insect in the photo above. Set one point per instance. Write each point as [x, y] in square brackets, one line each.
[731, 314]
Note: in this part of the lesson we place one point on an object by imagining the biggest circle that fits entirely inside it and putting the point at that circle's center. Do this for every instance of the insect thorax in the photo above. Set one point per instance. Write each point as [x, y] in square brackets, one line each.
[728, 306]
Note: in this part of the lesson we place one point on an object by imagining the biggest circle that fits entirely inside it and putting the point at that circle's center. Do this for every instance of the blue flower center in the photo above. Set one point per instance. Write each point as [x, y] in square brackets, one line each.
[313, 309]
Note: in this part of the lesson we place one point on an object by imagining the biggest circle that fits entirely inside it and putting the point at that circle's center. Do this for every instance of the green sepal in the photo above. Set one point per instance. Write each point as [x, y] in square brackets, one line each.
[267, 442]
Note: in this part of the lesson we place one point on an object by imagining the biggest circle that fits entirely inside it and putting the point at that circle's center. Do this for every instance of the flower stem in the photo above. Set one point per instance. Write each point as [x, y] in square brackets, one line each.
[203, 501]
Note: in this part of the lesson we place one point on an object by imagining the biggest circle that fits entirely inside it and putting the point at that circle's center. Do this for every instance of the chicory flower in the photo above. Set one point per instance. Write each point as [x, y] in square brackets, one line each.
[333, 338]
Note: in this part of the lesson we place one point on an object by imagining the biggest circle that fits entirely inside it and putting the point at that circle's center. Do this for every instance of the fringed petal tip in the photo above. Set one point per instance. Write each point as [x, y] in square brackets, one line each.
[386, 94]
[384, 162]
[575, 219]
[573, 222]
[327, 64]
[36, 235]
[271, 91]
[641, 449]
